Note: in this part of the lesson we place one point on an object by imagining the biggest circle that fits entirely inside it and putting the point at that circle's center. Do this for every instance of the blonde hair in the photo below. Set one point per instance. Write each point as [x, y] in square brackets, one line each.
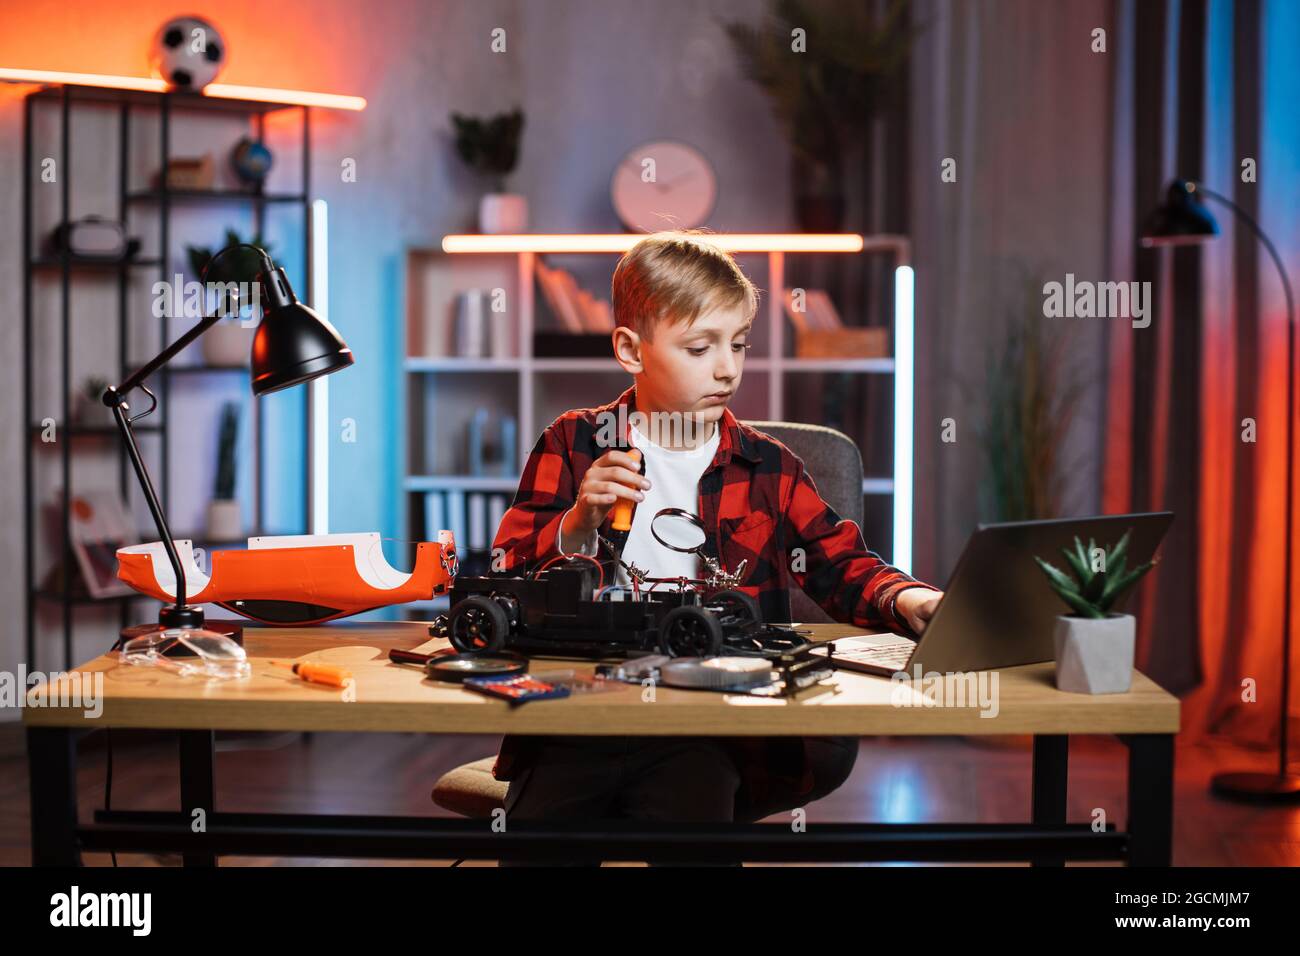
[676, 277]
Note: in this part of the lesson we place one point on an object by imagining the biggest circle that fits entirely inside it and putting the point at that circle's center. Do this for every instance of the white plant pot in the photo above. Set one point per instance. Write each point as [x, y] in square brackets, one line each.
[501, 213]
[227, 343]
[225, 520]
[1095, 655]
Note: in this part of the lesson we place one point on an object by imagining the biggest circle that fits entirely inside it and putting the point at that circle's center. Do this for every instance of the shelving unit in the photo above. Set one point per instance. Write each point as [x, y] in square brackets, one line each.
[128, 104]
[522, 381]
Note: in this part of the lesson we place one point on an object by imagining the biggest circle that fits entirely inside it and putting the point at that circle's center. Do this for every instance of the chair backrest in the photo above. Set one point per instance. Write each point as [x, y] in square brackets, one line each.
[835, 464]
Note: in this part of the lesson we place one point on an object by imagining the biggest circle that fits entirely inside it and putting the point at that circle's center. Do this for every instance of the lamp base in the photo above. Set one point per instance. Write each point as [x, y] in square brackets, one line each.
[232, 629]
[1257, 787]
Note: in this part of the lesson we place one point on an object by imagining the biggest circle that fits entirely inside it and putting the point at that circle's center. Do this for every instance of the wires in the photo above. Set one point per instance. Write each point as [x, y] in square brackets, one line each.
[566, 557]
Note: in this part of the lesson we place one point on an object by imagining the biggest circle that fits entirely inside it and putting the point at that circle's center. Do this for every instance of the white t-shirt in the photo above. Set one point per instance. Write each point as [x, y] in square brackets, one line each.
[674, 483]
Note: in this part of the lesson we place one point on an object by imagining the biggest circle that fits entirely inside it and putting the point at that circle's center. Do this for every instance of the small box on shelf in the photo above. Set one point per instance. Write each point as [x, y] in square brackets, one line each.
[549, 344]
[820, 332]
[847, 342]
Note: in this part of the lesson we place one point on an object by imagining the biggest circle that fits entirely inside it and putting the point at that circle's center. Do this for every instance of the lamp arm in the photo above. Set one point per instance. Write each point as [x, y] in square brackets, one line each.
[1290, 471]
[204, 324]
[151, 498]
[115, 398]
[1264, 240]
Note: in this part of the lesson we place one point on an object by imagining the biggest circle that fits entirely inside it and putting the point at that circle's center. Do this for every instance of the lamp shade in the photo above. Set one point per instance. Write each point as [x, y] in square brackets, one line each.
[1181, 220]
[292, 344]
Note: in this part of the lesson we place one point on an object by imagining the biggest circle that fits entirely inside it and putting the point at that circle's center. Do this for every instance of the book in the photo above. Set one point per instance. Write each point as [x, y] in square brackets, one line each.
[99, 524]
[455, 504]
[557, 298]
[476, 506]
[820, 304]
[497, 505]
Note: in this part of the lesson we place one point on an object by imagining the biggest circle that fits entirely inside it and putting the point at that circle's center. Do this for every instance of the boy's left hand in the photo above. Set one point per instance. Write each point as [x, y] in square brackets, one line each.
[917, 605]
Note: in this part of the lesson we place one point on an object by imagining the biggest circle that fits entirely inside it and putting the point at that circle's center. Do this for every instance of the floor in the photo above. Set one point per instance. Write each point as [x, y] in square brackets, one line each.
[955, 779]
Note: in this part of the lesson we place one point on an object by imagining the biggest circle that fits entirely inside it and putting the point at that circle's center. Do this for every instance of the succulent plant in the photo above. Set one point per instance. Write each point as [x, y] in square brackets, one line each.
[1091, 592]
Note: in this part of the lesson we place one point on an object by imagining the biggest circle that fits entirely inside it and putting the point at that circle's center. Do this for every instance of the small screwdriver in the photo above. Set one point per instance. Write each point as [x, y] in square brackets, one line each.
[328, 674]
[621, 514]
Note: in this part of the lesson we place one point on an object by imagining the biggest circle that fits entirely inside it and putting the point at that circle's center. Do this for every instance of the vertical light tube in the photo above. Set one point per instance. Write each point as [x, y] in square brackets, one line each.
[904, 355]
[318, 395]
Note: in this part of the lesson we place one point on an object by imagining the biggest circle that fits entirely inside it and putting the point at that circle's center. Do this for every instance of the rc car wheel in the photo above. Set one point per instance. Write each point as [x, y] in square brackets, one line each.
[478, 623]
[690, 632]
[736, 608]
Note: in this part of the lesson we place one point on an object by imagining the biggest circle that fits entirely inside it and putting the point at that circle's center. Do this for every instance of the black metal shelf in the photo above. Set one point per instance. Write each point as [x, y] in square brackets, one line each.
[178, 101]
[157, 107]
[55, 263]
[195, 369]
[55, 596]
[212, 195]
[97, 431]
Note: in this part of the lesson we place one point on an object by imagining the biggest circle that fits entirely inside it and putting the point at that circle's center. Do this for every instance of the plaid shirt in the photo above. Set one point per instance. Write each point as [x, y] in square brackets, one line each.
[759, 505]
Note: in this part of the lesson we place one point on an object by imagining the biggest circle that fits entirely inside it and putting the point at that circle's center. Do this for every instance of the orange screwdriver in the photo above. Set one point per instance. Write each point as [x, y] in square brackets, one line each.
[328, 674]
[620, 525]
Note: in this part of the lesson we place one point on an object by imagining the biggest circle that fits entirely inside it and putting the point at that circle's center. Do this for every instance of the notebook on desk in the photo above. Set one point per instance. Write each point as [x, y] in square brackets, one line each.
[998, 610]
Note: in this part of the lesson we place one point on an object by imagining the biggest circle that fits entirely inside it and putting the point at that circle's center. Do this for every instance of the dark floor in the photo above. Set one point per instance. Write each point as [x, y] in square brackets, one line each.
[897, 779]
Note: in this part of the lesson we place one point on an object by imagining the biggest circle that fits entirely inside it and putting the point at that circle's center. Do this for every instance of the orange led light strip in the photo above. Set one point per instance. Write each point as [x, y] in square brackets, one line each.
[225, 91]
[621, 242]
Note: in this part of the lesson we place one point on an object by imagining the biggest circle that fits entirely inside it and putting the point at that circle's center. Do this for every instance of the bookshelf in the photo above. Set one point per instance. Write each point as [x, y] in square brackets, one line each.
[442, 392]
[129, 106]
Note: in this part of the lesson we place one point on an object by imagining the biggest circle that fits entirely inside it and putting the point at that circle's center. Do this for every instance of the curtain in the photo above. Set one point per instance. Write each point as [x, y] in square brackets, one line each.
[1200, 88]
[1061, 152]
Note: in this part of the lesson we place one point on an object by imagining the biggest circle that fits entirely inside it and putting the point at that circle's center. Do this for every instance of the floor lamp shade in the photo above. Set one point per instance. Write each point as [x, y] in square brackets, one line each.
[1181, 220]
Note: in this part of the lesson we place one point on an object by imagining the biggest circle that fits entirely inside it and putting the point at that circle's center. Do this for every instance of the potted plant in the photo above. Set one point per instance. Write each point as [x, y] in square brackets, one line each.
[225, 515]
[826, 94]
[491, 147]
[1094, 645]
[90, 408]
[229, 341]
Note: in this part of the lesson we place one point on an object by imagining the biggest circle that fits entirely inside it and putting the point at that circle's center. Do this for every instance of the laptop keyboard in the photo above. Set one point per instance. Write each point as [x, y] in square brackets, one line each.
[893, 656]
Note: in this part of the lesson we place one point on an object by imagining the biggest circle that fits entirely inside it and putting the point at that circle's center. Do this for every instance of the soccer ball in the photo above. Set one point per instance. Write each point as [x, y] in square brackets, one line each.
[187, 53]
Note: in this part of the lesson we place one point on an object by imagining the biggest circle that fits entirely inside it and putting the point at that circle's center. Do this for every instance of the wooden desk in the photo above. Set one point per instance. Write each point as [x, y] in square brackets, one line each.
[396, 698]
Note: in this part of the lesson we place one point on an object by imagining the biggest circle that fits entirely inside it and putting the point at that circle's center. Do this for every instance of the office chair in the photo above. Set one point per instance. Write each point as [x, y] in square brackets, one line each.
[834, 462]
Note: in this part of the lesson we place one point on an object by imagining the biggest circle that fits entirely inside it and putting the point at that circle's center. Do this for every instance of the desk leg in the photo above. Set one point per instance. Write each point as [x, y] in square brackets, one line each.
[52, 776]
[1050, 783]
[1150, 799]
[198, 776]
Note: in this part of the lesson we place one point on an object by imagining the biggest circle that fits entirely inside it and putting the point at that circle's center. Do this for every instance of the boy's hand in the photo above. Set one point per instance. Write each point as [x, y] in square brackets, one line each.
[612, 476]
[917, 606]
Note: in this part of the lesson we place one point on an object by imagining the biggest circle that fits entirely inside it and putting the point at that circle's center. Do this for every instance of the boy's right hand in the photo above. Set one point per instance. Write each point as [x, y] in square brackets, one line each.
[614, 475]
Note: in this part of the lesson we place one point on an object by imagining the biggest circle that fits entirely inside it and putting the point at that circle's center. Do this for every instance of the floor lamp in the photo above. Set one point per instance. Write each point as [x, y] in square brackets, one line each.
[1184, 220]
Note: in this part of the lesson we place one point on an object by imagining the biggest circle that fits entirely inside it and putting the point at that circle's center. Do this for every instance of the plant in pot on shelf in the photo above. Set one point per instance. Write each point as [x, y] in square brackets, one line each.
[229, 341]
[827, 69]
[90, 410]
[1094, 645]
[490, 146]
[225, 515]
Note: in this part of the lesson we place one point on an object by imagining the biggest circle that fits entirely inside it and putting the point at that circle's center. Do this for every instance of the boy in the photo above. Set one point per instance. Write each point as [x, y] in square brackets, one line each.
[683, 310]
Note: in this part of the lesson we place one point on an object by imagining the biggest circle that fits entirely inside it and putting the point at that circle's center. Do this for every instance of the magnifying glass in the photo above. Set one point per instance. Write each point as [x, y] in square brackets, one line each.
[678, 530]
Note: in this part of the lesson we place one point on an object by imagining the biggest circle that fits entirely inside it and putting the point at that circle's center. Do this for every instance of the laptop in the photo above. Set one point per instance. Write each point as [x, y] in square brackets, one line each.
[998, 610]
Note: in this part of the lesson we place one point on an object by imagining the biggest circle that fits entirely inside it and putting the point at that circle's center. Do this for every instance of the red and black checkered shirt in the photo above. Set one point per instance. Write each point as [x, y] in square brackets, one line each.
[758, 504]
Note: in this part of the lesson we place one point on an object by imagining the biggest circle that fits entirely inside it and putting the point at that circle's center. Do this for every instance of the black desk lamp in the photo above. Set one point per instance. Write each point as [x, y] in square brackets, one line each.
[1184, 220]
[292, 345]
